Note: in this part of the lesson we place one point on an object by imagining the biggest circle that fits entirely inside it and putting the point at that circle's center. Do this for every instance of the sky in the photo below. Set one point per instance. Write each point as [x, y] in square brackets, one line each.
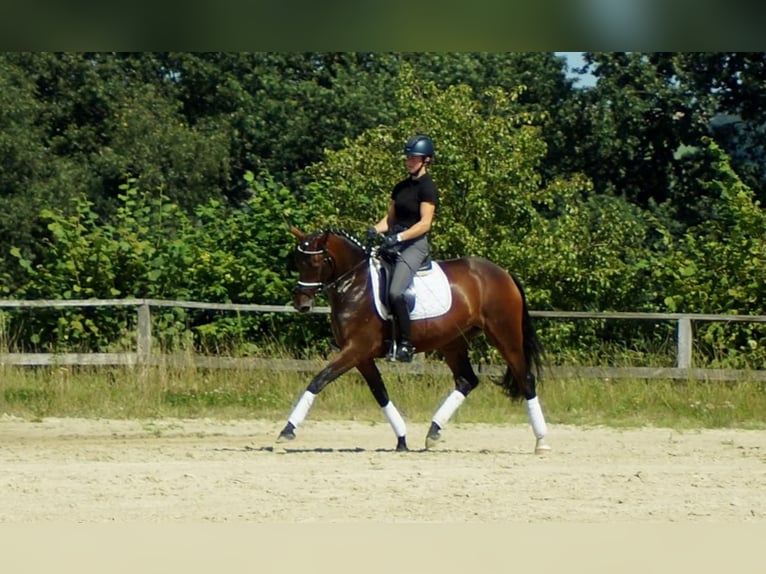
[575, 59]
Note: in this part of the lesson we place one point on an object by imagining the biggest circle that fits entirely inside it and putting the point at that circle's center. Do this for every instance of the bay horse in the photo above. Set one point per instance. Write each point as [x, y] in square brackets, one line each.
[484, 298]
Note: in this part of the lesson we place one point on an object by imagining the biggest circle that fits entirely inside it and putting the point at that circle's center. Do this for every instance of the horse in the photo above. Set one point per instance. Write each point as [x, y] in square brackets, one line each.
[484, 298]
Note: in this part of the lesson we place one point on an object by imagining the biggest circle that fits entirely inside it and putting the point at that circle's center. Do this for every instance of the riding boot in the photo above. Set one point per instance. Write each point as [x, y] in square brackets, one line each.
[404, 348]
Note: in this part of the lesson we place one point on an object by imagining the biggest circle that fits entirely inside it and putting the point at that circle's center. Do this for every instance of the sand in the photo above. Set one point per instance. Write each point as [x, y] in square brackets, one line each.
[190, 471]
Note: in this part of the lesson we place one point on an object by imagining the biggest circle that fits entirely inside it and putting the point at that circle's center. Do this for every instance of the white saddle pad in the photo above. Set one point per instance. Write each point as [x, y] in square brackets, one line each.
[433, 296]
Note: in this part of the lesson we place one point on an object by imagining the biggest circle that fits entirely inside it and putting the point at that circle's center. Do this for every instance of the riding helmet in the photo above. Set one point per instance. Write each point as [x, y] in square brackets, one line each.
[419, 146]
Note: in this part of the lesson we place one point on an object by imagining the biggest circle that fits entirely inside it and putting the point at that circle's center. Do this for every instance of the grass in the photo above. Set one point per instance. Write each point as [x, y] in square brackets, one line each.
[660, 403]
[123, 392]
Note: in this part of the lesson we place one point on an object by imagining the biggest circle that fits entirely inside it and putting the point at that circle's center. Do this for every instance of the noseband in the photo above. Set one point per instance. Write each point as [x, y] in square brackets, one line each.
[313, 285]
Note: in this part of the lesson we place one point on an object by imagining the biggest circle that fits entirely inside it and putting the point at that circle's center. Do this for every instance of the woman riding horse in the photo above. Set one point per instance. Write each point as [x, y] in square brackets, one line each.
[406, 226]
[482, 296]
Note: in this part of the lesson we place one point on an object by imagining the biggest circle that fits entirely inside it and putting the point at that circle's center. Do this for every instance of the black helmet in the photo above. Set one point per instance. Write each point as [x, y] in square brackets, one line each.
[420, 146]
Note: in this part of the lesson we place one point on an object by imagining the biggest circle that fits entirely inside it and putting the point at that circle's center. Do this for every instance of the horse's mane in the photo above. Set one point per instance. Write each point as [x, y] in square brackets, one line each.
[346, 235]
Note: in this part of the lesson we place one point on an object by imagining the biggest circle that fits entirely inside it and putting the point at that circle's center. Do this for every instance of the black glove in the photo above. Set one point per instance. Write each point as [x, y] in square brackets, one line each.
[372, 233]
[390, 240]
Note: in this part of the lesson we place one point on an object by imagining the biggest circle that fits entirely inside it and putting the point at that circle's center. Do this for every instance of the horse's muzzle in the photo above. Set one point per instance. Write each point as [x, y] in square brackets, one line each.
[303, 302]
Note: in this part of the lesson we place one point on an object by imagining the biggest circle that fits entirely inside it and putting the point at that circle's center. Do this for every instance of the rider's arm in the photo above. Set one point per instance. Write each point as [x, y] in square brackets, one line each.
[388, 220]
[423, 226]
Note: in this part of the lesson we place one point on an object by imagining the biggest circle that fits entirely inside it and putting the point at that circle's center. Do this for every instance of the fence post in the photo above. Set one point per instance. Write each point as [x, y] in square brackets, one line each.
[684, 354]
[144, 334]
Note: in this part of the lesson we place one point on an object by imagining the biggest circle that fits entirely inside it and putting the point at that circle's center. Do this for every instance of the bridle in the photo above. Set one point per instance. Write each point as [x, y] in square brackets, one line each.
[310, 288]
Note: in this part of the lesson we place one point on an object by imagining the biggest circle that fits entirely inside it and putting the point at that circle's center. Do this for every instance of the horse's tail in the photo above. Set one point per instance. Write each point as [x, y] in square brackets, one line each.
[534, 352]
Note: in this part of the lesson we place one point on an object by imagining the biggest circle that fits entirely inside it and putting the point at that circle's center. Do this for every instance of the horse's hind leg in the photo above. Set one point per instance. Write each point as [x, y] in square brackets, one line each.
[456, 357]
[371, 374]
[507, 337]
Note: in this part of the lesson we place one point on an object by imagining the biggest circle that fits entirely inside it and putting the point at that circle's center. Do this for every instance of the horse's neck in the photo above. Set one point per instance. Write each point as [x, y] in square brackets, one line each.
[351, 269]
[347, 257]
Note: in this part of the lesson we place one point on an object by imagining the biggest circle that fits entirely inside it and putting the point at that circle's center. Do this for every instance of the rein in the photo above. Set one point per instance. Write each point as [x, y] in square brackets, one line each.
[342, 275]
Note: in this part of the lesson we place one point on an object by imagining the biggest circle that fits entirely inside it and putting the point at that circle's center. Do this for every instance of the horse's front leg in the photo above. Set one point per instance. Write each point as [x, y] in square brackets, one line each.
[339, 365]
[371, 374]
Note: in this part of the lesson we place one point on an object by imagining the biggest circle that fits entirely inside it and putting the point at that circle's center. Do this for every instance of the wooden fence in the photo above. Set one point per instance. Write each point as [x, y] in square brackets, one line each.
[143, 354]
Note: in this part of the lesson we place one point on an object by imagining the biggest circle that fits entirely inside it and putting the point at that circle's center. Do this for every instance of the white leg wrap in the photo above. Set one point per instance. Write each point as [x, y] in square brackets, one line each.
[448, 408]
[395, 419]
[301, 409]
[536, 418]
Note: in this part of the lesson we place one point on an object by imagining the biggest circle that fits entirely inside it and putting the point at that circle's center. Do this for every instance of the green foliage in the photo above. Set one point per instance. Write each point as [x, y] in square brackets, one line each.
[486, 160]
[154, 250]
[571, 249]
[134, 175]
[27, 171]
[717, 267]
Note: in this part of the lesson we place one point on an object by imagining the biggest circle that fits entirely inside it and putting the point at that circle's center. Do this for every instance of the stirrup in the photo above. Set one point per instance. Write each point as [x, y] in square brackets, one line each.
[404, 352]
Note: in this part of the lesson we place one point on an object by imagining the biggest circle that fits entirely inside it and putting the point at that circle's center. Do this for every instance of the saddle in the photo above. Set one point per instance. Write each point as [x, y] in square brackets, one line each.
[429, 294]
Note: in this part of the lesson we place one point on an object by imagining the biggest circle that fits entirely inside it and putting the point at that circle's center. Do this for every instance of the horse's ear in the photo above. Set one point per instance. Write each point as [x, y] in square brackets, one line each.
[297, 232]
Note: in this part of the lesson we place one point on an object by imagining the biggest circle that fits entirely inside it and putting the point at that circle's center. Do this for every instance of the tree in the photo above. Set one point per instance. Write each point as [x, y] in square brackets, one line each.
[78, 124]
[630, 133]
[717, 267]
[153, 249]
[571, 249]
[733, 82]
[20, 151]
[494, 201]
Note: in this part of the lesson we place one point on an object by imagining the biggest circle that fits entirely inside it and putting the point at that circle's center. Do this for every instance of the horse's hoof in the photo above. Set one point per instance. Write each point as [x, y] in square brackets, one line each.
[287, 434]
[433, 437]
[542, 447]
[401, 444]
[285, 437]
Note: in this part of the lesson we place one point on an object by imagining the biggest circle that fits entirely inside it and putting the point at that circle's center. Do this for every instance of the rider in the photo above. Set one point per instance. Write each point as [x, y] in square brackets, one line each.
[406, 225]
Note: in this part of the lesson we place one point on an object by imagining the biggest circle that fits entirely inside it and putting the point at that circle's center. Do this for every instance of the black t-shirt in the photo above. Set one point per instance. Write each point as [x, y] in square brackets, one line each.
[407, 196]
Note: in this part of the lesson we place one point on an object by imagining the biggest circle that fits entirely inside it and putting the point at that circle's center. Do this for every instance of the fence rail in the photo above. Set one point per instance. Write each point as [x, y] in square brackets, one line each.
[143, 355]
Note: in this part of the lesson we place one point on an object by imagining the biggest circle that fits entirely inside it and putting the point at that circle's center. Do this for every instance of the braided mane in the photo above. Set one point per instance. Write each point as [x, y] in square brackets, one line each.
[346, 235]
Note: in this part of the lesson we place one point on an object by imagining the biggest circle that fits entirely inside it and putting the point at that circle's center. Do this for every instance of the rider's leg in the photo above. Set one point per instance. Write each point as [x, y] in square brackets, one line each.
[404, 348]
[401, 279]
[410, 258]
